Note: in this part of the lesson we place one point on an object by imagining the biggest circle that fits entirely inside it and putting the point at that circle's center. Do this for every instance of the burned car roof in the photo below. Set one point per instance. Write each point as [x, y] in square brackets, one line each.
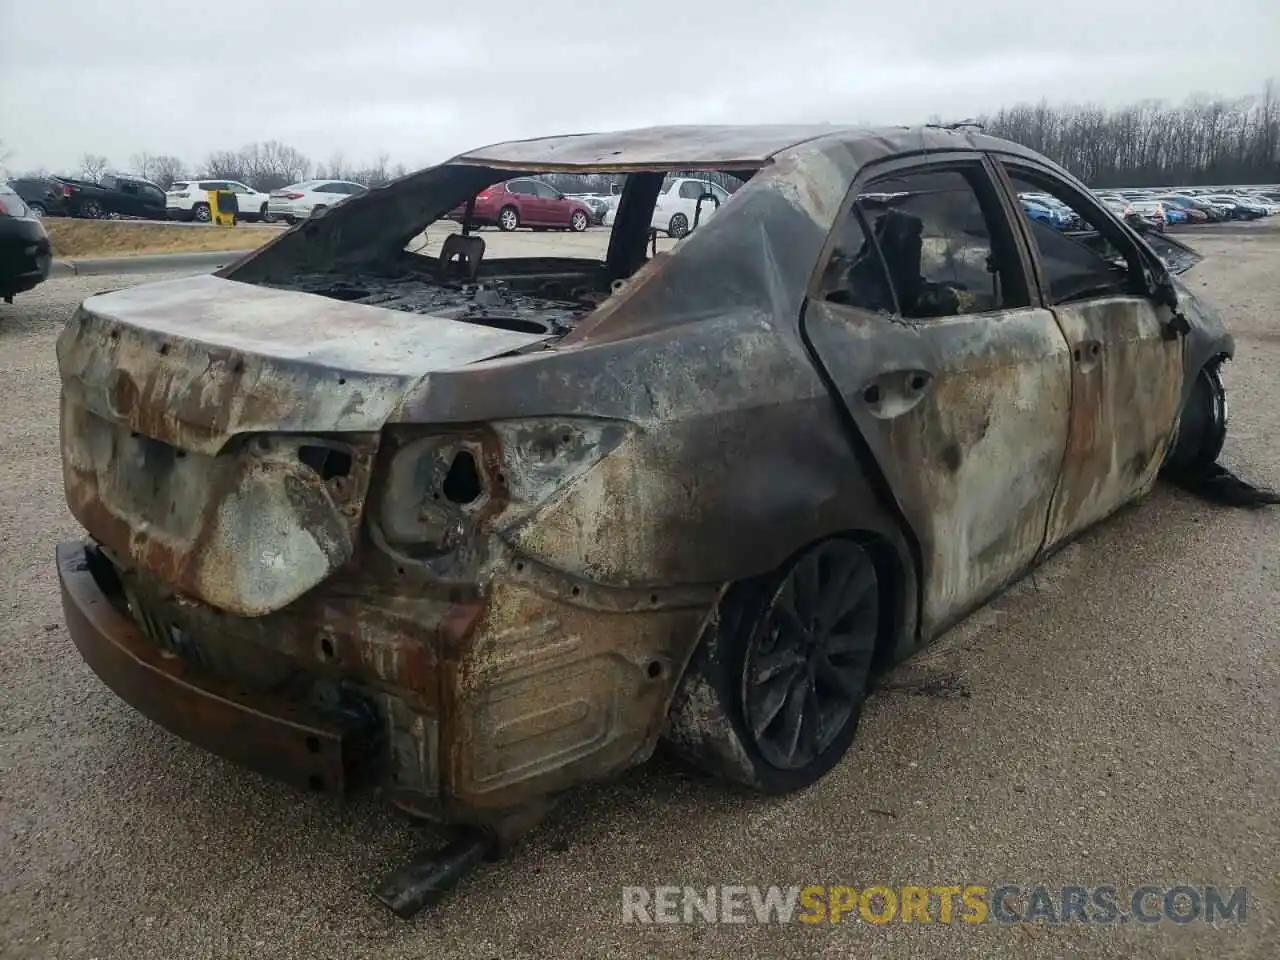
[716, 146]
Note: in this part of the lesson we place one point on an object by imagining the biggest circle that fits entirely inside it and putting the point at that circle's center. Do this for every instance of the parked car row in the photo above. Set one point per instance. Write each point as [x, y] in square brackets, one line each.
[119, 195]
[1195, 204]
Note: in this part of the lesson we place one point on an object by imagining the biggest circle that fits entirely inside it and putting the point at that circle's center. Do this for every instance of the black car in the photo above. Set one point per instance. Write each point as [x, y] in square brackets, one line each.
[44, 196]
[114, 195]
[25, 254]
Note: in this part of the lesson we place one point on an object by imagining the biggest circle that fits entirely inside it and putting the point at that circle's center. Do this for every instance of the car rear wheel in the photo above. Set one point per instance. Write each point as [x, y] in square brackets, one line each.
[91, 210]
[200, 212]
[788, 664]
[679, 226]
[37, 209]
[578, 222]
[508, 219]
[265, 215]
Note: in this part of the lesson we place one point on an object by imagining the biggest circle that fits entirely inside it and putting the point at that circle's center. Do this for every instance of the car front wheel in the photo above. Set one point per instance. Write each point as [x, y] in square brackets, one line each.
[578, 222]
[1202, 427]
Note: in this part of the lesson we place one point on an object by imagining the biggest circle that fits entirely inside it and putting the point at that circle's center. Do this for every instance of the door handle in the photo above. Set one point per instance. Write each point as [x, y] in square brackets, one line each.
[892, 394]
[1087, 351]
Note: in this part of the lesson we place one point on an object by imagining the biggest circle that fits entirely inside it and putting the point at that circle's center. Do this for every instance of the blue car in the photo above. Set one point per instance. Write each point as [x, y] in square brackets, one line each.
[1045, 214]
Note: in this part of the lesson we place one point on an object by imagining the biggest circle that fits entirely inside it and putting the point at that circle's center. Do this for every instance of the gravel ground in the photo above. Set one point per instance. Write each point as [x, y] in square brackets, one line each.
[1112, 720]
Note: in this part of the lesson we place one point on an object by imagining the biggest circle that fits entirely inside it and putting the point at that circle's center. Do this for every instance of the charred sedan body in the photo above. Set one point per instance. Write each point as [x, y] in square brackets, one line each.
[482, 529]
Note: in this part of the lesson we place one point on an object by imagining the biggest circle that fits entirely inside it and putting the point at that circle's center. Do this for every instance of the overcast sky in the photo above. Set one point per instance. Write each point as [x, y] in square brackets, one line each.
[397, 76]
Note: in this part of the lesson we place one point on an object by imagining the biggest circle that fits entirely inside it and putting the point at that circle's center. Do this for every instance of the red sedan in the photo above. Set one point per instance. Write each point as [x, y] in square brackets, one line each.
[526, 203]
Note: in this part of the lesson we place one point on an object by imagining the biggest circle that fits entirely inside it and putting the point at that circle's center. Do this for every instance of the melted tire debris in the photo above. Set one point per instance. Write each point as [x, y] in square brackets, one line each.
[1216, 484]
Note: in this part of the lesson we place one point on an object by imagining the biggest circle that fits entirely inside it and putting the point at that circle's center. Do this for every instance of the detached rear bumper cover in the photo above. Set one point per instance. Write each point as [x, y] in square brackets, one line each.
[273, 738]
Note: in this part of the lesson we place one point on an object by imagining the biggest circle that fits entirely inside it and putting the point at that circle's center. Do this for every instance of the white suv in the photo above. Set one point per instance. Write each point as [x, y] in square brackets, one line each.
[189, 200]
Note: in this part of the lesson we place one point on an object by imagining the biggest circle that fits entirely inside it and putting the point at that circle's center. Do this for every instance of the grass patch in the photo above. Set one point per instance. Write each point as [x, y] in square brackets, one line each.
[117, 238]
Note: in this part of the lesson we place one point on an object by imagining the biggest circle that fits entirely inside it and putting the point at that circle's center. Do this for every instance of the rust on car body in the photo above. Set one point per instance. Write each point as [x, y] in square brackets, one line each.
[486, 535]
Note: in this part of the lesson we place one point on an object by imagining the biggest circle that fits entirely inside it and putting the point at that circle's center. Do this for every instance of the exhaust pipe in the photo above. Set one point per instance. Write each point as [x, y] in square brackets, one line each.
[426, 878]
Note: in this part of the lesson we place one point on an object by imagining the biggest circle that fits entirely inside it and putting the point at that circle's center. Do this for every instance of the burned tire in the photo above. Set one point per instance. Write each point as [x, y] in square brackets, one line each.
[508, 219]
[200, 213]
[678, 227]
[1202, 427]
[1192, 462]
[785, 671]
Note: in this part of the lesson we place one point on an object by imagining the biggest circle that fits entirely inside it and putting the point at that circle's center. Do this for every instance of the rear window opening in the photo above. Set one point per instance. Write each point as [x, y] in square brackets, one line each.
[530, 253]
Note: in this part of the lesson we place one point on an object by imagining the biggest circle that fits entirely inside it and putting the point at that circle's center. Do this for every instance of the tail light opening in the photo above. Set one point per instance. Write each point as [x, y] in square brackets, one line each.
[437, 488]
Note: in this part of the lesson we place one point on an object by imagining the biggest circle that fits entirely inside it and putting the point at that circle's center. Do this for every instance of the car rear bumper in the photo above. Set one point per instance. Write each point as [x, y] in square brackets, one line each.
[270, 736]
[286, 209]
[474, 710]
[25, 255]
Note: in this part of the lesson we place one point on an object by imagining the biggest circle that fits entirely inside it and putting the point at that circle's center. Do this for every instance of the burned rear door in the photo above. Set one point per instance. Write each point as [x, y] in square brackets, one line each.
[1126, 369]
[960, 387]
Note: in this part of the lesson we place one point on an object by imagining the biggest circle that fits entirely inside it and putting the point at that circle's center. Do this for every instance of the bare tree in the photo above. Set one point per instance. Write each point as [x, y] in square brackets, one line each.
[272, 165]
[336, 169]
[141, 164]
[225, 165]
[165, 169]
[94, 166]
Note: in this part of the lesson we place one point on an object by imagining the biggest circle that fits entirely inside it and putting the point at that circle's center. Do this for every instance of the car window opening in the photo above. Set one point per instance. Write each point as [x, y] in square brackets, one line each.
[532, 253]
[925, 245]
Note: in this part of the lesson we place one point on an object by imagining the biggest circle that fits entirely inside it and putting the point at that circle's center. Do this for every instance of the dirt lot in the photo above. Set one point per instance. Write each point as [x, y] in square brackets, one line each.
[1114, 719]
[114, 238]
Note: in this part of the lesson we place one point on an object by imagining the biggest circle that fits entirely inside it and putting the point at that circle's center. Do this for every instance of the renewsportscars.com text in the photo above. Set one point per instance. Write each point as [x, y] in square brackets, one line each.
[944, 903]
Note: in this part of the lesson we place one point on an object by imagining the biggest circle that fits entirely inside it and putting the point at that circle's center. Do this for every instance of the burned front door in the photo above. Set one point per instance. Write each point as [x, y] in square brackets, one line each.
[1126, 372]
[922, 320]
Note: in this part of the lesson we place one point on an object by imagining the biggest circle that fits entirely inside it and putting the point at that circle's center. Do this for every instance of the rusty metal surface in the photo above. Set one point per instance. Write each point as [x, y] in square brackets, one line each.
[268, 735]
[1126, 393]
[973, 456]
[530, 533]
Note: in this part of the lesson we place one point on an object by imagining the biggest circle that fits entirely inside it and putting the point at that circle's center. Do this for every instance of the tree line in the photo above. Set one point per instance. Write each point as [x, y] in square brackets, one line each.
[1204, 140]
[265, 166]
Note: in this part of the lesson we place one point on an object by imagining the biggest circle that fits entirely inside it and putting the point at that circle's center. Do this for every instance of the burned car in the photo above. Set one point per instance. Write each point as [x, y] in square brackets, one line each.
[480, 529]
